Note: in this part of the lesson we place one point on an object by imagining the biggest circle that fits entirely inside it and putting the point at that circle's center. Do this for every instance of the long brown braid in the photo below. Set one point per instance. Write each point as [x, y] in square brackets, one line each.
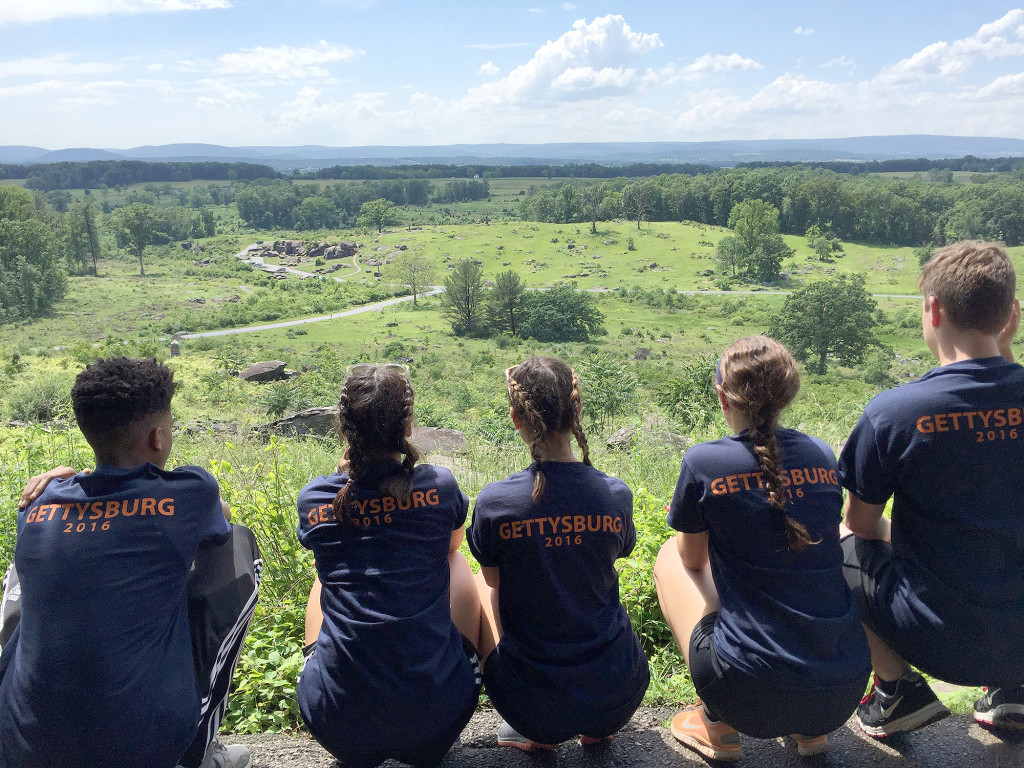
[374, 408]
[759, 379]
[545, 393]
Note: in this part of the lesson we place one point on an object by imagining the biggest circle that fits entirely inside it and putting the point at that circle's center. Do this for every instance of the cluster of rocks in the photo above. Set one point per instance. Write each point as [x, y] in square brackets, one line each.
[651, 432]
[269, 370]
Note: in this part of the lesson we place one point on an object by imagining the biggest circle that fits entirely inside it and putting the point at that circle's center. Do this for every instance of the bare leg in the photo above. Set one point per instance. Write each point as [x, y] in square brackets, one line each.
[314, 614]
[465, 601]
[887, 664]
[685, 595]
[490, 621]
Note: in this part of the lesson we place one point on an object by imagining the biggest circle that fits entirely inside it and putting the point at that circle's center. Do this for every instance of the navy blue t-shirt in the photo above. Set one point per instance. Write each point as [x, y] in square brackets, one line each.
[103, 672]
[389, 666]
[949, 449]
[565, 630]
[785, 617]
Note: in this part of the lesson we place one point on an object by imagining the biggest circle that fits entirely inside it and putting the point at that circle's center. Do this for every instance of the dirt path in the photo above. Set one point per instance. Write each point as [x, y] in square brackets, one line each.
[956, 742]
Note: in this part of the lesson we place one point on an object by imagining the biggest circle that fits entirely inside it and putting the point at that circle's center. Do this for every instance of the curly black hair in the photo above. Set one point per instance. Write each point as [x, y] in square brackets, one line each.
[113, 393]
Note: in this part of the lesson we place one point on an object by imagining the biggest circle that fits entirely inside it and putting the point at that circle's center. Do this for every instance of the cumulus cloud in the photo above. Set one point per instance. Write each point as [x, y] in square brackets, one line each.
[839, 62]
[284, 62]
[803, 31]
[34, 11]
[709, 64]
[947, 60]
[589, 61]
[495, 46]
[568, 7]
[490, 69]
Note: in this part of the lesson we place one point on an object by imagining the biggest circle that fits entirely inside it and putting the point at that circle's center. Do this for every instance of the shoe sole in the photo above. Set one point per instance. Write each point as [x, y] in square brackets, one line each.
[723, 755]
[809, 750]
[926, 715]
[1003, 716]
[526, 746]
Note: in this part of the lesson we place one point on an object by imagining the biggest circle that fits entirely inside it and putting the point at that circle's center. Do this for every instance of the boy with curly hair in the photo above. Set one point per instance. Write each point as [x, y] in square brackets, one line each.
[134, 593]
[941, 585]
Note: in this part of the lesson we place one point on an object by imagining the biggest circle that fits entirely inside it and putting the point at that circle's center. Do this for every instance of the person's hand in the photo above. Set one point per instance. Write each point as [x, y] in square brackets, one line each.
[1009, 331]
[38, 484]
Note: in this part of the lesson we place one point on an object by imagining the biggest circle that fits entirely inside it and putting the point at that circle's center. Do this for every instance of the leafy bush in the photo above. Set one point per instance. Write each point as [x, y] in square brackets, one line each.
[39, 398]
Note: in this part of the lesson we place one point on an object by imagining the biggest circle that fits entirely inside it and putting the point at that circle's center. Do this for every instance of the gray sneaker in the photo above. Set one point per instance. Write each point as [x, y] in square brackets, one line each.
[510, 737]
[220, 756]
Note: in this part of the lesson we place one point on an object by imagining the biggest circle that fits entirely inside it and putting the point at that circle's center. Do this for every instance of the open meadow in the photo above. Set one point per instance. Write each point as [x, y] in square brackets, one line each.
[650, 372]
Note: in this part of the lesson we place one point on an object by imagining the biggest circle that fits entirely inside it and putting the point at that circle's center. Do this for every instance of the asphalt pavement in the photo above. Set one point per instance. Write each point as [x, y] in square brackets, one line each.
[956, 742]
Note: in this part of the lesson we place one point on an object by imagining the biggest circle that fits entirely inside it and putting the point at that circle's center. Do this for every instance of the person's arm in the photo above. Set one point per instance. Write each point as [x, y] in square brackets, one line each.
[693, 549]
[38, 484]
[866, 520]
[226, 509]
[490, 576]
[457, 536]
[1009, 331]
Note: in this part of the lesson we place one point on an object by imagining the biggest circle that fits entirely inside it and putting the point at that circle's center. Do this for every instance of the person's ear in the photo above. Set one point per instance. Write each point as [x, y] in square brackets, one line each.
[157, 439]
[722, 400]
[516, 421]
[408, 428]
[935, 310]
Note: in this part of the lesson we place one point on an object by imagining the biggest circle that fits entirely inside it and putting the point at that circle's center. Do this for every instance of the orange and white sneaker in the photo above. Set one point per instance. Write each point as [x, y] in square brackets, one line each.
[716, 740]
[806, 747]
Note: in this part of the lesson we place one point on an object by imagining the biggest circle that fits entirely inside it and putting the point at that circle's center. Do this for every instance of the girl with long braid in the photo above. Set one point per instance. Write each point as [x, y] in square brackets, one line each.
[752, 587]
[393, 620]
[561, 659]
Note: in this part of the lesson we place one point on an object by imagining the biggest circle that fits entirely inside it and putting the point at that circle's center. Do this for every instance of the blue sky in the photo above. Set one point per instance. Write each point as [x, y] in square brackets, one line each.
[123, 73]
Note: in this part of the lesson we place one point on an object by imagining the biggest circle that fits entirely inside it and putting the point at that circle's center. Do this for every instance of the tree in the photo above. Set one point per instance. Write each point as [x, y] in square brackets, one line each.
[561, 314]
[316, 212]
[756, 248]
[32, 277]
[83, 233]
[593, 196]
[829, 317]
[413, 269]
[638, 200]
[378, 213]
[134, 227]
[505, 304]
[462, 302]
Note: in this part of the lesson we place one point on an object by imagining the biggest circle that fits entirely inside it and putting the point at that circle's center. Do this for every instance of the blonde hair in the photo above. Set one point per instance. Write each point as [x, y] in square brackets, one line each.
[759, 379]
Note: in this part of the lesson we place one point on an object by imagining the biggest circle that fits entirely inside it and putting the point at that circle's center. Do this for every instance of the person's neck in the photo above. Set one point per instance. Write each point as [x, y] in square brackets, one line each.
[558, 448]
[954, 345]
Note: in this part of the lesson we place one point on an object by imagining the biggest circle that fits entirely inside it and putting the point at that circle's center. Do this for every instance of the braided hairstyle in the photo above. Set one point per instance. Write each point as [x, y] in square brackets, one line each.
[375, 406]
[759, 379]
[544, 392]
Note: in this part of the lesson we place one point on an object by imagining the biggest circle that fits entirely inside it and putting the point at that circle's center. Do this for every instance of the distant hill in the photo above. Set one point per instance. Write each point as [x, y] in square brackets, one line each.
[721, 153]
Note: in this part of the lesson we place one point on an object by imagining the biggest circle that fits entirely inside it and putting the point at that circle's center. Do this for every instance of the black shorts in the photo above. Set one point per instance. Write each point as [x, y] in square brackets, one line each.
[929, 626]
[426, 753]
[548, 718]
[761, 709]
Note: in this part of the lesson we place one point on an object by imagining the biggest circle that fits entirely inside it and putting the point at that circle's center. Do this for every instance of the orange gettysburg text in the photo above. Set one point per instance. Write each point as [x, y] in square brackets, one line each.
[748, 481]
[954, 422]
[550, 526]
[96, 510]
[384, 505]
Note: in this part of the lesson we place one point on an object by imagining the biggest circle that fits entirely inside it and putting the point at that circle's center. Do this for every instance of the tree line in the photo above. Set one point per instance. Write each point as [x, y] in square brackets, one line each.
[111, 173]
[867, 209]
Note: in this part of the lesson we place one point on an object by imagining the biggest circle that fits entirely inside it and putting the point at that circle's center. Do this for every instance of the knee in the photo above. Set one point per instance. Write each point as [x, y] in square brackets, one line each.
[667, 560]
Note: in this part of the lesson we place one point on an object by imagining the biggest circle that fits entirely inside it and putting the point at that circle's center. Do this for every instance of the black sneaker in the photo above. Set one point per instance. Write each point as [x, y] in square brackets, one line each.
[1001, 708]
[913, 705]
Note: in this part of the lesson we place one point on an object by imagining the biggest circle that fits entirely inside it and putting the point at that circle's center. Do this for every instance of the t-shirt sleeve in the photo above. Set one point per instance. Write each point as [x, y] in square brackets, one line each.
[478, 535]
[315, 506]
[863, 465]
[460, 501]
[684, 512]
[628, 526]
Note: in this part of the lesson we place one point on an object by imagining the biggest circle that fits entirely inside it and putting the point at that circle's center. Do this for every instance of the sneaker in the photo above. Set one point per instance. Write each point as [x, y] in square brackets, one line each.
[913, 705]
[220, 756]
[1001, 708]
[716, 740]
[510, 737]
[589, 741]
[806, 747]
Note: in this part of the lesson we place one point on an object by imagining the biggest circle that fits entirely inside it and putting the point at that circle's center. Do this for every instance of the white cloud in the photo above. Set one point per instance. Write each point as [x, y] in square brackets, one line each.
[712, 64]
[568, 7]
[490, 69]
[284, 61]
[803, 31]
[535, 10]
[590, 60]
[58, 65]
[495, 46]
[839, 62]
[33, 11]
[947, 60]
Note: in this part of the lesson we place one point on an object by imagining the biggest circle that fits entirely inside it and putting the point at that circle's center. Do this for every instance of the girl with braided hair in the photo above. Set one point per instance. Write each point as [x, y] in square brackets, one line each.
[752, 587]
[391, 664]
[561, 657]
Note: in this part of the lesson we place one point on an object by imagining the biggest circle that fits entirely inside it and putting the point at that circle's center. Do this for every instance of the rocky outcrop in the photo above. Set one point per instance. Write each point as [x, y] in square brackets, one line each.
[446, 442]
[628, 437]
[270, 370]
[321, 421]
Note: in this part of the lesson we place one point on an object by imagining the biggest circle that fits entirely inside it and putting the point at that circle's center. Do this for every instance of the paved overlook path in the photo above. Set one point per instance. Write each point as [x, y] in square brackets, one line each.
[440, 289]
[956, 742]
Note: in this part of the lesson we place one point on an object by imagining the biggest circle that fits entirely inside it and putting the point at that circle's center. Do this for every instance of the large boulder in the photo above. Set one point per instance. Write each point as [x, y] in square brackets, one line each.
[321, 421]
[270, 370]
[434, 440]
[627, 438]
